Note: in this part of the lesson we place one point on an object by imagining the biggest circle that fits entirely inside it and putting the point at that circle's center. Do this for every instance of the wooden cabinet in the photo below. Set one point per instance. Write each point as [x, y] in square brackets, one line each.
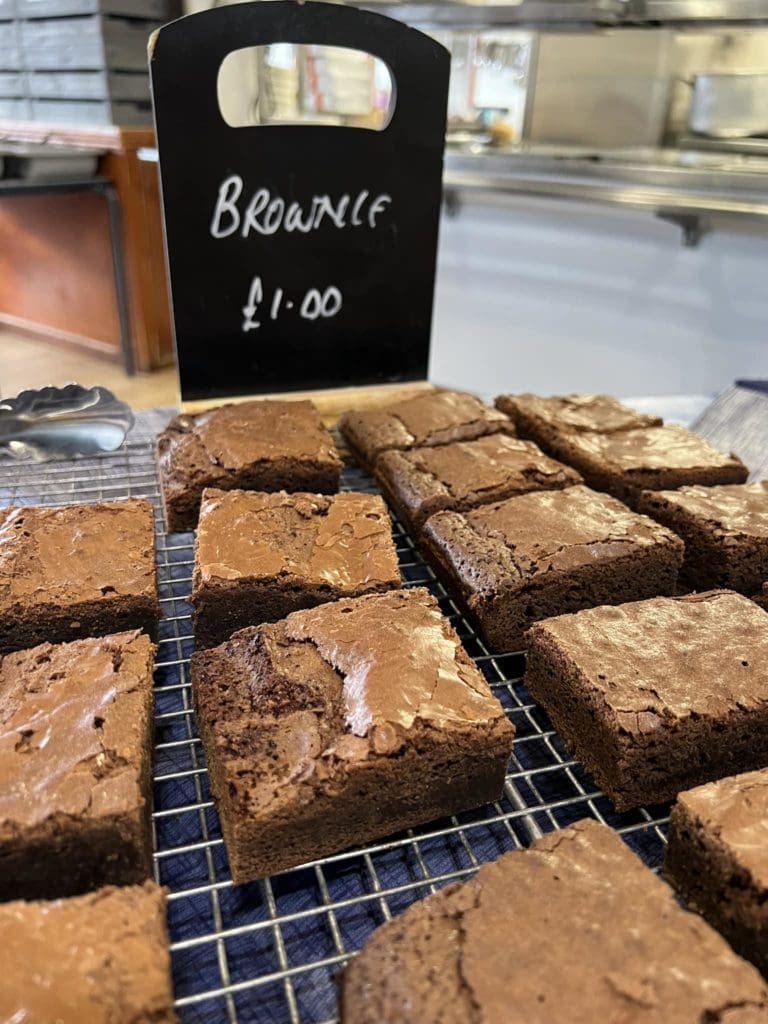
[57, 276]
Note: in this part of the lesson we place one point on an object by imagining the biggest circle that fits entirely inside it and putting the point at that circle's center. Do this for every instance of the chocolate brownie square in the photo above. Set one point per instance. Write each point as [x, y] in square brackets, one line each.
[76, 571]
[342, 724]
[87, 960]
[255, 446]
[627, 462]
[75, 758]
[657, 696]
[436, 417]
[545, 553]
[462, 475]
[717, 858]
[260, 556]
[573, 929]
[544, 420]
[725, 530]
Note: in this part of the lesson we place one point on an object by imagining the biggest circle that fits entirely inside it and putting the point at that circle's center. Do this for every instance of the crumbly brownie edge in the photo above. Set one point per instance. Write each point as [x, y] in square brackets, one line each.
[630, 771]
[65, 858]
[39, 624]
[736, 562]
[561, 689]
[402, 498]
[222, 607]
[414, 502]
[644, 573]
[436, 776]
[503, 615]
[355, 434]
[704, 872]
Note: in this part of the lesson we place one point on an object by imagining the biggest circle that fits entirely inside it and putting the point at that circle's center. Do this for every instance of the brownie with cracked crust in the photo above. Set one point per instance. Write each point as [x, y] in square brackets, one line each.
[75, 760]
[717, 859]
[436, 417]
[76, 571]
[627, 462]
[725, 530]
[656, 696]
[259, 557]
[342, 724]
[545, 553]
[545, 419]
[101, 958]
[265, 445]
[575, 929]
[465, 474]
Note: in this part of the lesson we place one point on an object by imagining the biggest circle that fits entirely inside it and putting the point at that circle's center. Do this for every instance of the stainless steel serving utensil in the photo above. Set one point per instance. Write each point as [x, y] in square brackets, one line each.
[60, 423]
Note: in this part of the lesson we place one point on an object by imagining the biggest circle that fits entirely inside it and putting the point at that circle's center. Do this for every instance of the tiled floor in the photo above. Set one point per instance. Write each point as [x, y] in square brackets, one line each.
[30, 363]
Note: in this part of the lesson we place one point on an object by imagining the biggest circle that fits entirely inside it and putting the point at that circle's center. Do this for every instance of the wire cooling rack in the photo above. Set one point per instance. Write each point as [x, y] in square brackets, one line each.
[269, 952]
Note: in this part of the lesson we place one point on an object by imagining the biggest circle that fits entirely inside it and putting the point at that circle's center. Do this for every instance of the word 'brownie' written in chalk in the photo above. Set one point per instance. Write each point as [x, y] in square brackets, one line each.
[266, 214]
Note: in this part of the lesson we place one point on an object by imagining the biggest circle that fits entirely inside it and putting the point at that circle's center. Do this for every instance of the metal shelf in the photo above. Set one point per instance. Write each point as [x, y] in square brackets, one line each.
[687, 194]
[553, 14]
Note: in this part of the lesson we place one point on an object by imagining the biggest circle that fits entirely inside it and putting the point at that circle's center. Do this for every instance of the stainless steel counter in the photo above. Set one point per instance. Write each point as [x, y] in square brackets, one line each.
[567, 13]
[675, 184]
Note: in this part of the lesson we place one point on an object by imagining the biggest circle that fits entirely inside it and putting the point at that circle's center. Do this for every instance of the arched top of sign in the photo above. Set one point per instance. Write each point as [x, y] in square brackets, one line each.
[300, 255]
[314, 85]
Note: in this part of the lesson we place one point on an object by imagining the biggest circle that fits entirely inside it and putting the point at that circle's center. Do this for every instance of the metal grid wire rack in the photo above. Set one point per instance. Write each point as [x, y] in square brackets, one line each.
[269, 951]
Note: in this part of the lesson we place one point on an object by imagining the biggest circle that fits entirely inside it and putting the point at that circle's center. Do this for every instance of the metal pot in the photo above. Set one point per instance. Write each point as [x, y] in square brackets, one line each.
[729, 106]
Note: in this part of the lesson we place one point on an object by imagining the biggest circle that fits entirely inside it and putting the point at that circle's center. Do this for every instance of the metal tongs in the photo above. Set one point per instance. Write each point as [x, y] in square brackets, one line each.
[60, 423]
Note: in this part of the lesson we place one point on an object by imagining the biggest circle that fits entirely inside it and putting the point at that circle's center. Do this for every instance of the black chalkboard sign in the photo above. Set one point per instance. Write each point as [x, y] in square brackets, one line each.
[300, 256]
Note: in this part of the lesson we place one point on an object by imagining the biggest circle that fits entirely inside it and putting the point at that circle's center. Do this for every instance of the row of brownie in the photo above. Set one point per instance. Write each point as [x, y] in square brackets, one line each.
[75, 757]
[511, 557]
[277, 445]
[258, 552]
[337, 708]
[304, 718]
[543, 551]
[272, 445]
[313, 765]
[640, 748]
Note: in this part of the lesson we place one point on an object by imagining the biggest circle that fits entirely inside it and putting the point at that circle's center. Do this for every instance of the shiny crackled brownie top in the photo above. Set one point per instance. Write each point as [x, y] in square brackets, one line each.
[235, 436]
[649, 662]
[76, 553]
[74, 720]
[601, 413]
[436, 417]
[651, 448]
[728, 508]
[343, 540]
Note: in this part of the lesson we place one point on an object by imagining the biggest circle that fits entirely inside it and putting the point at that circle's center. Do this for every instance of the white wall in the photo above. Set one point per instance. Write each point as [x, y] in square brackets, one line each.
[553, 296]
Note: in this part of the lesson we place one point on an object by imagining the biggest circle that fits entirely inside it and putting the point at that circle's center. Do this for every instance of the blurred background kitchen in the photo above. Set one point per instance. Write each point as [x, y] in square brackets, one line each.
[605, 219]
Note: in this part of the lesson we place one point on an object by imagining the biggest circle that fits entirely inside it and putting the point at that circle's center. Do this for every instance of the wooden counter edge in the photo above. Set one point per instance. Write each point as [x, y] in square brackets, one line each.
[331, 402]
